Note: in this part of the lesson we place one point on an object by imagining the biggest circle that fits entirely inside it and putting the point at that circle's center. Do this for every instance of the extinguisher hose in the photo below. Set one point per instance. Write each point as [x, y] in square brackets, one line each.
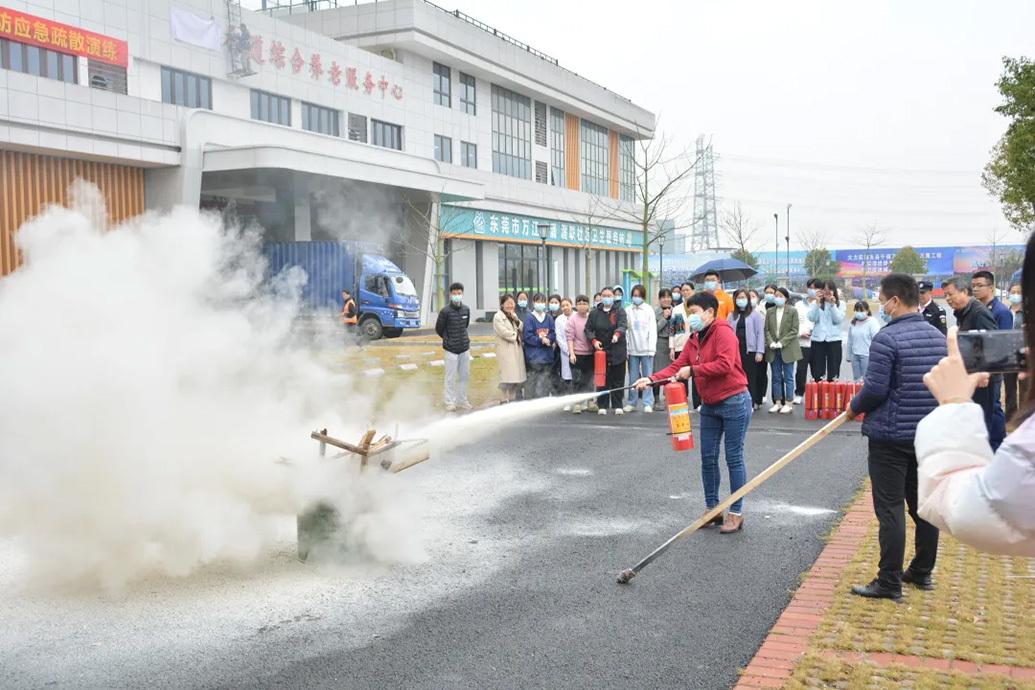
[670, 379]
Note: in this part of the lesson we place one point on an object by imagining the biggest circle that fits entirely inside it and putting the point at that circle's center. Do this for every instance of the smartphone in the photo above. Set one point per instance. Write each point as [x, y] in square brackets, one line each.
[995, 352]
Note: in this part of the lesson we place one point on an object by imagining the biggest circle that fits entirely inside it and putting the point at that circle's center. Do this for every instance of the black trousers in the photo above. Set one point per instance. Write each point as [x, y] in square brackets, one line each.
[893, 473]
[615, 379]
[582, 373]
[538, 383]
[801, 372]
[761, 381]
[825, 360]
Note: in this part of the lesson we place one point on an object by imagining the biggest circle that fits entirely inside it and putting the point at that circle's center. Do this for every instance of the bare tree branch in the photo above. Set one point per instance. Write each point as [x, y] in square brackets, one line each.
[428, 235]
[869, 237]
[740, 230]
[812, 239]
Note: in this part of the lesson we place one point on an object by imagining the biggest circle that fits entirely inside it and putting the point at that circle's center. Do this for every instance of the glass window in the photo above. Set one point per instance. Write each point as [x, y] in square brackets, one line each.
[32, 62]
[627, 168]
[468, 155]
[557, 178]
[40, 62]
[271, 108]
[594, 159]
[191, 90]
[440, 84]
[467, 94]
[443, 149]
[511, 133]
[316, 118]
[386, 135]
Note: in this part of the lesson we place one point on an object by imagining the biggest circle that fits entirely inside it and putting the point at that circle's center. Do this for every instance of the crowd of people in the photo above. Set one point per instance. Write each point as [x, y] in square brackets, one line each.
[730, 348]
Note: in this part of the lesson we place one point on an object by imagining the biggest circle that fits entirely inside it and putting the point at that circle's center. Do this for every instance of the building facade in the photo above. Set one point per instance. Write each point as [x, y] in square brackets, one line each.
[450, 145]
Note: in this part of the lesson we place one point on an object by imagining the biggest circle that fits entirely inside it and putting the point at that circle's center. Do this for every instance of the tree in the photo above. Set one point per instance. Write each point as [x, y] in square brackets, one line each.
[432, 224]
[819, 264]
[589, 220]
[908, 261]
[869, 238]
[1010, 261]
[740, 230]
[1010, 174]
[658, 176]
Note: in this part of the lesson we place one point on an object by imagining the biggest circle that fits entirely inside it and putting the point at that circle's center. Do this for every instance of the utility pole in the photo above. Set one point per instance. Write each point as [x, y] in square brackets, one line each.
[776, 257]
[788, 239]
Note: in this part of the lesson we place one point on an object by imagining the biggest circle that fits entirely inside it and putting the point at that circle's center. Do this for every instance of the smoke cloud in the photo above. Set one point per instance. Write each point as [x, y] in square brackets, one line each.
[148, 393]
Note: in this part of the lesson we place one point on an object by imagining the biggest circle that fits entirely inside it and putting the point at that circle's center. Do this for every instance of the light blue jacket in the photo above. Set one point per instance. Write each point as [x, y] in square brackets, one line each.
[826, 322]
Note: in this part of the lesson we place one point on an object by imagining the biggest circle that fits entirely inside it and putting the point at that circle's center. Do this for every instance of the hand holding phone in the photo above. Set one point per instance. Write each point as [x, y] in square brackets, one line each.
[993, 352]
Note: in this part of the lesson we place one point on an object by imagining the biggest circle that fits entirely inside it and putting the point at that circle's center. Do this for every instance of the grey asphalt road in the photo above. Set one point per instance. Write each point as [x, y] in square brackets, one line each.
[553, 616]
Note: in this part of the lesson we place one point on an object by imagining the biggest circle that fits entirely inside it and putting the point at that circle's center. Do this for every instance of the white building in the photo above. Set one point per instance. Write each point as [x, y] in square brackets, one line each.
[387, 122]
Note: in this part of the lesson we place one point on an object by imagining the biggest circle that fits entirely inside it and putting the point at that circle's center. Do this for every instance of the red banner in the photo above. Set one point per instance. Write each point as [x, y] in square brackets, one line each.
[36, 31]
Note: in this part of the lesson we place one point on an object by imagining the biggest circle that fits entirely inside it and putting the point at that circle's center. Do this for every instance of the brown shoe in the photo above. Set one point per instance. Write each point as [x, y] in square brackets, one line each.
[733, 523]
[717, 520]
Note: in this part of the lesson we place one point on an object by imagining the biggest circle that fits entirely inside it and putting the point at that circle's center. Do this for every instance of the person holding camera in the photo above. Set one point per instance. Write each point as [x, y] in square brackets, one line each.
[894, 400]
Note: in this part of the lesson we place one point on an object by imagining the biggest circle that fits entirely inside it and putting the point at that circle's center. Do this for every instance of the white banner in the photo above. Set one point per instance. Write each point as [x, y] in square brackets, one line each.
[190, 28]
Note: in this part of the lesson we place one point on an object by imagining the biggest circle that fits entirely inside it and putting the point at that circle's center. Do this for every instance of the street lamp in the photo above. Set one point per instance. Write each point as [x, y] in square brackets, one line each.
[776, 257]
[788, 239]
[544, 232]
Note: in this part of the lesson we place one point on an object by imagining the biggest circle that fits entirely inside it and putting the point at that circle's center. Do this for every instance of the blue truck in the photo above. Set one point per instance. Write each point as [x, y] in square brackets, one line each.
[386, 297]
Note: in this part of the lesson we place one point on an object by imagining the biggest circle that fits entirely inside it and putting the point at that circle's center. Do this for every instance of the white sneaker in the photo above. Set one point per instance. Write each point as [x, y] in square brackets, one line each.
[797, 400]
[603, 410]
[776, 407]
[619, 411]
[629, 408]
[567, 408]
[450, 408]
[786, 409]
[648, 409]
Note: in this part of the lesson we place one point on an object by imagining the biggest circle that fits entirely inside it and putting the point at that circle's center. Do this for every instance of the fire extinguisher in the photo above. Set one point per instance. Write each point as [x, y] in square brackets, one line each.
[678, 416]
[811, 400]
[828, 400]
[600, 368]
[839, 398]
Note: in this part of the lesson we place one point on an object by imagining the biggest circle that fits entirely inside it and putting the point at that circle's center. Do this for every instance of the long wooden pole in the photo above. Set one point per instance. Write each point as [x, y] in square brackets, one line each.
[768, 472]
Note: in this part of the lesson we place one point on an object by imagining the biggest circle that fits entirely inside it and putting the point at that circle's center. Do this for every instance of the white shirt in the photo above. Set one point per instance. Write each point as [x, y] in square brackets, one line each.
[779, 318]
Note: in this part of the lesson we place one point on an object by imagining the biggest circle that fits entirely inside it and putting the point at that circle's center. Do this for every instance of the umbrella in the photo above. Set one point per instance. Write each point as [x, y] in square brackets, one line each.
[729, 270]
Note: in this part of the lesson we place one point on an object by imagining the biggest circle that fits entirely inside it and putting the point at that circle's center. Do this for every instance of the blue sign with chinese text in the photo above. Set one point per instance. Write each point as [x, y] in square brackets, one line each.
[456, 221]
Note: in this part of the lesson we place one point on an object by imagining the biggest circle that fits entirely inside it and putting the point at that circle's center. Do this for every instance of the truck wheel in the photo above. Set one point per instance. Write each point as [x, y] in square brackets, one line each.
[371, 328]
[392, 332]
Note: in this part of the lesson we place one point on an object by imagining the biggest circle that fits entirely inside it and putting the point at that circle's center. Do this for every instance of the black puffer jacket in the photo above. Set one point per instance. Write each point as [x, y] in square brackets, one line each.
[452, 328]
[602, 325]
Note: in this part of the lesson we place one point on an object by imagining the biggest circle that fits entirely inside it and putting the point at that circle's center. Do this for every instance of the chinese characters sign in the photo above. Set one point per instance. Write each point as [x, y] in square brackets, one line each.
[276, 54]
[35, 31]
[489, 225]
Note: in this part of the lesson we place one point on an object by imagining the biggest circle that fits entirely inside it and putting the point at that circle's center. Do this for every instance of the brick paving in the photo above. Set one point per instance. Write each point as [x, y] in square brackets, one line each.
[792, 635]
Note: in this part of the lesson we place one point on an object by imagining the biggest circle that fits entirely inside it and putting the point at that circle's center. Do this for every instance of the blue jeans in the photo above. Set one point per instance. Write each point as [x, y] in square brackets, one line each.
[639, 367]
[859, 364]
[729, 417]
[783, 378]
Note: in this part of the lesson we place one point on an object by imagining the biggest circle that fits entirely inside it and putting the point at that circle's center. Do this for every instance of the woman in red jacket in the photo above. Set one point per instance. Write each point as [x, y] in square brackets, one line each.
[712, 357]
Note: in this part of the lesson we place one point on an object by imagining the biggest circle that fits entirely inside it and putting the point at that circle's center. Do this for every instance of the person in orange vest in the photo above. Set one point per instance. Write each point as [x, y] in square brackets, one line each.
[349, 313]
[713, 284]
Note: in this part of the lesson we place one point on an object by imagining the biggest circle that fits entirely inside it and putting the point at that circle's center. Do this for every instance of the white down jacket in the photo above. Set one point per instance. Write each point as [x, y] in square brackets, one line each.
[984, 500]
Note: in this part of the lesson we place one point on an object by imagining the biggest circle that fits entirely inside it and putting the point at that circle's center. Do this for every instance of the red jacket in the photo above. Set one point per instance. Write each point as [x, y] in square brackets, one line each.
[716, 363]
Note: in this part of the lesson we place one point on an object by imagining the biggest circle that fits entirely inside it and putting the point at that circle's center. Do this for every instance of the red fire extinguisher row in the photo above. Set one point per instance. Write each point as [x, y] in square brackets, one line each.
[826, 400]
[678, 416]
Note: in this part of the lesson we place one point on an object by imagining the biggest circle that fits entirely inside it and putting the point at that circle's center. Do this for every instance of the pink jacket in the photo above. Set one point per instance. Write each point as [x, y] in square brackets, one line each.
[576, 330]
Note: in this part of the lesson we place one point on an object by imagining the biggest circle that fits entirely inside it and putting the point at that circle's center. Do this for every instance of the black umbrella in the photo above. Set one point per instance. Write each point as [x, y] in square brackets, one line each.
[729, 270]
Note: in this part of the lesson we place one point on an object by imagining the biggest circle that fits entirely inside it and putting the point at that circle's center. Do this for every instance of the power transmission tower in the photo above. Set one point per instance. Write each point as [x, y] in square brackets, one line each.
[705, 234]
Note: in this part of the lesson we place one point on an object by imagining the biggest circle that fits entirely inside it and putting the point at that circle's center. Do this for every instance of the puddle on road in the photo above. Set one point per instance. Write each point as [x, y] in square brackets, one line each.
[574, 471]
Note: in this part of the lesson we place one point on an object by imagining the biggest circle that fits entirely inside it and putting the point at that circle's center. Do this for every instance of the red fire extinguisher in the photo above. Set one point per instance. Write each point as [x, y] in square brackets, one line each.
[839, 398]
[811, 400]
[678, 416]
[828, 400]
[600, 368]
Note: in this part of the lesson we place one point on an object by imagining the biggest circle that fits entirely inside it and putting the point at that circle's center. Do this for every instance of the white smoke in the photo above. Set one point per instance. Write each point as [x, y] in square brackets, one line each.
[148, 391]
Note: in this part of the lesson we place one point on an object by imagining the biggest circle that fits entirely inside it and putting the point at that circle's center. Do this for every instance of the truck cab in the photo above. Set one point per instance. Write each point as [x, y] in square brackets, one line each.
[387, 299]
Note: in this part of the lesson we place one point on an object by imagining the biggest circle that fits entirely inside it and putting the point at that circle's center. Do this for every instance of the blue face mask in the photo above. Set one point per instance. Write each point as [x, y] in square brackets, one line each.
[886, 317]
[695, 322]
[779, 301]
[555, 307]
[637, 301]
[522, 303]
[812, 292]
[618, 299]
[710, 285]
[1015, 299]
[754, 302]
[860, 315]
[457, 299]
[539, 306]
[607, 301]
[770, 297]
[742, 302]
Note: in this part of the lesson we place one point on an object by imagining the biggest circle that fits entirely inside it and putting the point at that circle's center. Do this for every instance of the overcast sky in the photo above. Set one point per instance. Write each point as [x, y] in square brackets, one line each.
[853, 112]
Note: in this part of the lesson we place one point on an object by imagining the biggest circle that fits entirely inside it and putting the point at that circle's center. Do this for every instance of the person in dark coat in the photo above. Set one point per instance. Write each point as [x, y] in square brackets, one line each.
[605, 330]
[539, 336]
[894, 399]
[451, 326]
[932, 313]
[971, 315]
[982, 285]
